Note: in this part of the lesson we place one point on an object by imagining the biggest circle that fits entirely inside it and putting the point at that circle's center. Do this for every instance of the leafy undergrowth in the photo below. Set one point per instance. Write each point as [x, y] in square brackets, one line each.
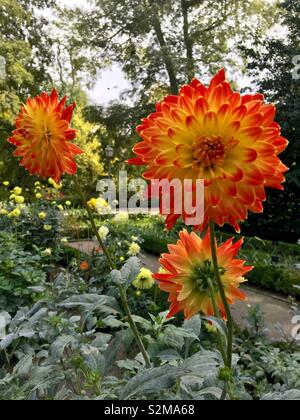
[74, 343]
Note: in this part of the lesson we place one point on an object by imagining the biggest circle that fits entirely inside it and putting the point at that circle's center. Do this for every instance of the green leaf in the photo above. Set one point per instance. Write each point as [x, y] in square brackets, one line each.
[113, 350]
[153, 380]
[58, 347]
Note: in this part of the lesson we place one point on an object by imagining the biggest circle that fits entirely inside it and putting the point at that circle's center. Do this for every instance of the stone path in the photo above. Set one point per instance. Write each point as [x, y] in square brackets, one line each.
[277, 310]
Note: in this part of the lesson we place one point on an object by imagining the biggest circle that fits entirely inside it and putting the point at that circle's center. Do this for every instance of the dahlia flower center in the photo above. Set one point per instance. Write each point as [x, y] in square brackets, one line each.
[204, 274]
[209, 151]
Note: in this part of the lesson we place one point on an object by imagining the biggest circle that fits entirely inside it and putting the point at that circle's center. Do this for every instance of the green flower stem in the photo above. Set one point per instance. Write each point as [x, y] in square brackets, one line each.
[222, 293]
[218, 315]
[134, 327]
[112, 266]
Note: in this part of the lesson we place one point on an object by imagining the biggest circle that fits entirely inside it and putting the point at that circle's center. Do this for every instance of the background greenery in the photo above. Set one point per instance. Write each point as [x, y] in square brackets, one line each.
[159, 46]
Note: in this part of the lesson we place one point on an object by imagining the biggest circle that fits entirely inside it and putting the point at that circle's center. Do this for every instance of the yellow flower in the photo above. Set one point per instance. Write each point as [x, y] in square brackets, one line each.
[121, 218]
[64, 241]
[47, 252]
[144, 280]
[3, 212]
[102, 206]
[18, 190]
[122, 259]
[60, 207]
[12, 197]
[6, 183]
[92, 203]
[37, 184]
[47, 228]
[15, 213]
[54, 184]
[19, 199]
[38, 196]
[212, 329]
[134, 238]
[68, 203]
[134, 249]
[42, 215]
[103, 232]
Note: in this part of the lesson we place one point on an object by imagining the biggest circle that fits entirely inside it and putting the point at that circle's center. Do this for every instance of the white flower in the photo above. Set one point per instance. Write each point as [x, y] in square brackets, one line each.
[103, 232]
[64, 241]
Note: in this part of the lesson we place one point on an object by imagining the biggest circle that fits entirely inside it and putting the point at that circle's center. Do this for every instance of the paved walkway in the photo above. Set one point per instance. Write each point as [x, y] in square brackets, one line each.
[277, 310]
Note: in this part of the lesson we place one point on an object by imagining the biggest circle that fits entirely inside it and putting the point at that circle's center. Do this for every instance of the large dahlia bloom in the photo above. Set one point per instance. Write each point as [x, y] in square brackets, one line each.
[213, 133]
[187, 268]
[42, 137]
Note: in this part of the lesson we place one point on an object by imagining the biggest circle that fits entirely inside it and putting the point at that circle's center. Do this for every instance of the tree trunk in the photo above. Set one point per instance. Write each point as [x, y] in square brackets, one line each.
[164, 49]
[190, 66]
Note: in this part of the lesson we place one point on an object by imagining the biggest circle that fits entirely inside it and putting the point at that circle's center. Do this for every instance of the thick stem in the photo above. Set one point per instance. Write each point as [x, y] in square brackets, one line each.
[112, 266]
[217, 314]
[222, 293]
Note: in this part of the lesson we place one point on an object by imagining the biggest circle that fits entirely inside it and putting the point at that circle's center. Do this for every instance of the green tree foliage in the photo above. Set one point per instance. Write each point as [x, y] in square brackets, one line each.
[161, 45]
[26, 55]
[169, 42]
[275, 60]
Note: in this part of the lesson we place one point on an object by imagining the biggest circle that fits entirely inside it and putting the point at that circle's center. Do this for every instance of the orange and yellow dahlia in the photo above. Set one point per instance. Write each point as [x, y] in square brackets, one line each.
[213, 133]
[42, 137]
[189, 266]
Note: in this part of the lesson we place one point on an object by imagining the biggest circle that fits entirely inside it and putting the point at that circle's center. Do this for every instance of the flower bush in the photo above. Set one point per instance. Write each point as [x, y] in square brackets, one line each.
[71, 329]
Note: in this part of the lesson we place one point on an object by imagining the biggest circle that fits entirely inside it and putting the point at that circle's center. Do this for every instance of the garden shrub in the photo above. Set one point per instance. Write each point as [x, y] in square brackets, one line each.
[29, 227]
[278, 279]
[19, 270]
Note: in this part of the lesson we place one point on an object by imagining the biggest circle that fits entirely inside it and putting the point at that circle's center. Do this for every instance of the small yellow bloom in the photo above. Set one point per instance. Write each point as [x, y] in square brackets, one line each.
[12, 196]
[15, 213]
[38, 196]
[54, 184]
[212, 329]
[47, 228]
[3, 212]
[42, 215]
[144, 280]
[122, 259]
[121, 218]
[134, 238]
[37, 184]
[18, 190]
[19, 199]
[103, 232]
[47, 252]
[64, 241]
[6, 183]
[68, 203]
[134, 249]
